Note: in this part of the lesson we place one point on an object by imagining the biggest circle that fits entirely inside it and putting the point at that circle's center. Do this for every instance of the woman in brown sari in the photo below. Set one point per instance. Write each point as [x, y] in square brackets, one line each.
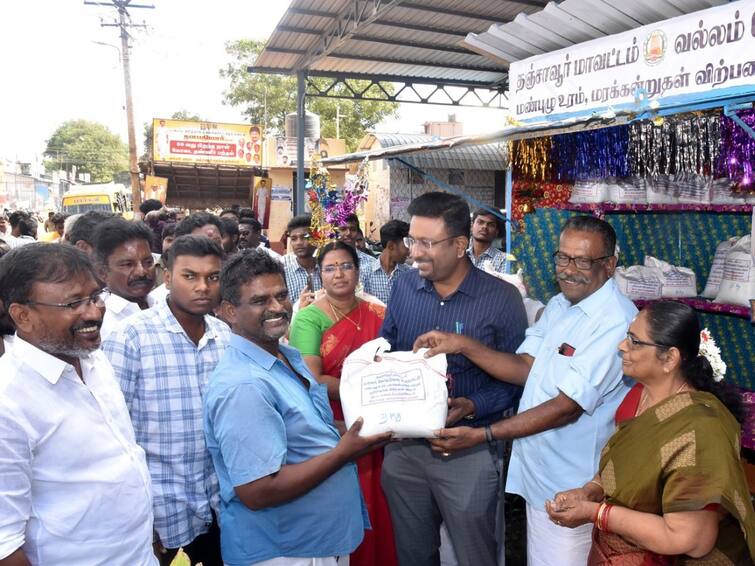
[325, 333]
[670, 487]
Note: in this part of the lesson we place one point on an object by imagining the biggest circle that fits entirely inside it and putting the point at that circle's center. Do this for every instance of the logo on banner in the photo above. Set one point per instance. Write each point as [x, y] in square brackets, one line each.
[655, 47]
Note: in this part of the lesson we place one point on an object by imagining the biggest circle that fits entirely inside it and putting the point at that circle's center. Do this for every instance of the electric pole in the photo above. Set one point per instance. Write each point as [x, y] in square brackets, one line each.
[123, 23]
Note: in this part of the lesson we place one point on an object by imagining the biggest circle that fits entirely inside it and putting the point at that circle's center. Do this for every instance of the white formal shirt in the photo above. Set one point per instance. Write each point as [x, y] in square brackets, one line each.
[158, 294]
[74, 485]
[272, 253]
[118, 309]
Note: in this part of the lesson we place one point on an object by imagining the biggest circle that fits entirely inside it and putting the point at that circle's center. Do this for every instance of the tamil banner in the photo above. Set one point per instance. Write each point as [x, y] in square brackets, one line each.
[186, 141]
[702, 56]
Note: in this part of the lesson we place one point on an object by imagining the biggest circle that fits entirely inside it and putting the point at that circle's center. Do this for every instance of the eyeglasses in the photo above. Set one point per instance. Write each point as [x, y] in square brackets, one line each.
[80, 305]
[583, 263]
[633, 343]
[331, 269]
[424, 244]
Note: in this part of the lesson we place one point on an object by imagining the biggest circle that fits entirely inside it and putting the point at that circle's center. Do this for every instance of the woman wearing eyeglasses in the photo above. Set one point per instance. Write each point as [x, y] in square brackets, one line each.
[670, 487]
[325, 333]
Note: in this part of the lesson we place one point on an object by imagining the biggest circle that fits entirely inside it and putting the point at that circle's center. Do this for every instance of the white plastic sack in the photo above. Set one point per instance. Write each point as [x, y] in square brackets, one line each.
[632, 190]
[738, 282]
[693, 189]
[660, 190]
[404, 393]
[717, 268]
[589, 192]
[721, 192]
[677, 281]
[515, 279]
[638, 282]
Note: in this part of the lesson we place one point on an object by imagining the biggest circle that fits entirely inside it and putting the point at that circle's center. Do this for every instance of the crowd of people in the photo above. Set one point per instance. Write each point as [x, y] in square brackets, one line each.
[172, 383]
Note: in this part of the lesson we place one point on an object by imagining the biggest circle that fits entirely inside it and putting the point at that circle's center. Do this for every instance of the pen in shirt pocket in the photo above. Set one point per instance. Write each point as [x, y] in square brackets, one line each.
[459, 327]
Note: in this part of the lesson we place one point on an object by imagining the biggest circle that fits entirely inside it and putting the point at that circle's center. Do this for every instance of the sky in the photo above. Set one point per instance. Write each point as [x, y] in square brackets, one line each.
[53, 70]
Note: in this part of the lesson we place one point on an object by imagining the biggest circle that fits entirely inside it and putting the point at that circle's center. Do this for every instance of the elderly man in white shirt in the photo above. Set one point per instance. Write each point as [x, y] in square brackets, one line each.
[75, 487]
[126, 264]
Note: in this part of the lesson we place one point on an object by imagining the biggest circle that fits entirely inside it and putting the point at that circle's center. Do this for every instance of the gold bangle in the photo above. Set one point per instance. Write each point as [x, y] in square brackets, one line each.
[599, 518]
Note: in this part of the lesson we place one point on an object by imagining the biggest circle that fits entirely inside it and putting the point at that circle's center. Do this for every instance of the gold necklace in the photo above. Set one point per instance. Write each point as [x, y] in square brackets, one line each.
[644, 398]
[340, 316]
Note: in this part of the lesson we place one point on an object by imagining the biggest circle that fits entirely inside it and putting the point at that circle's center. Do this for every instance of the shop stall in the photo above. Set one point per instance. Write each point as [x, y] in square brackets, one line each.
[652, 130]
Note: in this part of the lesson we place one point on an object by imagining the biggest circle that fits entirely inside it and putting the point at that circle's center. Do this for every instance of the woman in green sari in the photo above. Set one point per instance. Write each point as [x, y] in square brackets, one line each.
[670, 488]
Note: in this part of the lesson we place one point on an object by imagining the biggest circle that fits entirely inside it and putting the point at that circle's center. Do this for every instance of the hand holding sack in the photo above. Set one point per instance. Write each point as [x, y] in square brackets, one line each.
[403, 393]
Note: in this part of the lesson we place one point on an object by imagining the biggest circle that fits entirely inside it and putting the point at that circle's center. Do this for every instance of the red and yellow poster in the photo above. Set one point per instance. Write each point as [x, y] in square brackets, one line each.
[187, 141]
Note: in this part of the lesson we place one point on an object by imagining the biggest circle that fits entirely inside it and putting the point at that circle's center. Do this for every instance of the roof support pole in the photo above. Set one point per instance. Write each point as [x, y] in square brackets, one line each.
[509, 204]
[301, 85]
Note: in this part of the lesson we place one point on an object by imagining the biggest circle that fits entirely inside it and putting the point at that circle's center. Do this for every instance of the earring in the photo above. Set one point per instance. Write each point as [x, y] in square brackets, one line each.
[666, 370]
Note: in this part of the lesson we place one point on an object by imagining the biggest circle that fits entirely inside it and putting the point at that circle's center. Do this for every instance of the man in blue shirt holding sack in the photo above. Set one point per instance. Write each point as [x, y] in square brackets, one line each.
[288, 485]
[447, 293]
[571, 370]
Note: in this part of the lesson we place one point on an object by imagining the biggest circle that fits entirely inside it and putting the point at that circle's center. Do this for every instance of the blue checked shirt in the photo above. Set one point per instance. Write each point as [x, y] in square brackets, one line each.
[496, 257]
[296, 277]
[379, 283]
[484, 308]
[366, 265]
[163, 376]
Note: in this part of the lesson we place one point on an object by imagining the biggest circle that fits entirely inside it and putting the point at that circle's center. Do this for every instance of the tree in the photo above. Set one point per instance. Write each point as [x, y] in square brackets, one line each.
[180, 115]
[267, 99]
[89, 146]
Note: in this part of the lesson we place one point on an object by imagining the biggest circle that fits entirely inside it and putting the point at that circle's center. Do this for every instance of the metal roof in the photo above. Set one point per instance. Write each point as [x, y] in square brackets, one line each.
[562, 24]
[389, 39]
[486, 157]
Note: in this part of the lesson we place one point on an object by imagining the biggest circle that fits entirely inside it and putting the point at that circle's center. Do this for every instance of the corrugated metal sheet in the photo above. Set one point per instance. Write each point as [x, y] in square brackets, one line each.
[485, 157]
[570, 22]
[411, 38]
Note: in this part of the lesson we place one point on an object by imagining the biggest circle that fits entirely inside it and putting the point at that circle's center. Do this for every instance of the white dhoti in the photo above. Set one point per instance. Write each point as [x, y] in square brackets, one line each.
[551, 545]
[294, 561]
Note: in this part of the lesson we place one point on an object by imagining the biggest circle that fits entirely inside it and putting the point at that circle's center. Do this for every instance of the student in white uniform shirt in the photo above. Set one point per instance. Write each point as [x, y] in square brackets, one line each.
[125, 263]
[75, 487]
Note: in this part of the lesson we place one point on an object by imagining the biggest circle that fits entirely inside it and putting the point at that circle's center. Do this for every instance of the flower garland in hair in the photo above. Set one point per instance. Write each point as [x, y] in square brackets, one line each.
[712, 353]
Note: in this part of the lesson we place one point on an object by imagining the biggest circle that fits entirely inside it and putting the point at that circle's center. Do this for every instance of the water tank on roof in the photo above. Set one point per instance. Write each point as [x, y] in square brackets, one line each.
[311, 125]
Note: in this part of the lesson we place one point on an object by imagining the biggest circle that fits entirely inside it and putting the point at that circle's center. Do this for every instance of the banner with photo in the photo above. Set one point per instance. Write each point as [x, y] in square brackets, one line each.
[699, 56]
[156, 188]
[261, 200]
[187, 141]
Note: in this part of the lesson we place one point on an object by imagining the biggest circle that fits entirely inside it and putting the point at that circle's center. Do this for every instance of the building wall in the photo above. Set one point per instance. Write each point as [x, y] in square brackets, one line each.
[377, 209]
[281, 211]
[404, 187]
[17, 191]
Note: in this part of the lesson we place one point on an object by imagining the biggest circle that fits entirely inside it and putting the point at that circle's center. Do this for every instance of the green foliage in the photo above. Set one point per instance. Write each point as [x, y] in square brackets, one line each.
[180, 115]
[90, 146]
[266, 99]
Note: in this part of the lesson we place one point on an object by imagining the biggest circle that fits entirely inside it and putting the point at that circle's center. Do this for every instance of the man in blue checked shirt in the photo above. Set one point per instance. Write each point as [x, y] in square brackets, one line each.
[485, 229]
[162, 358]
[348, 233]
[447, 293]
[390, 264]
[571, 370]
[302, 273]
[288, 485]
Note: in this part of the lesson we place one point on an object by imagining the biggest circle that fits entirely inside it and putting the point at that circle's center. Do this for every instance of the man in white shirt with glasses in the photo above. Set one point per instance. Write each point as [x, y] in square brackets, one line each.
[75, 487]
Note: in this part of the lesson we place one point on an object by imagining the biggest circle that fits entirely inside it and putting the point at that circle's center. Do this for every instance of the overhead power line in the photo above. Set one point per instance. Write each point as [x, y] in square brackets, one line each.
[123, 24]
